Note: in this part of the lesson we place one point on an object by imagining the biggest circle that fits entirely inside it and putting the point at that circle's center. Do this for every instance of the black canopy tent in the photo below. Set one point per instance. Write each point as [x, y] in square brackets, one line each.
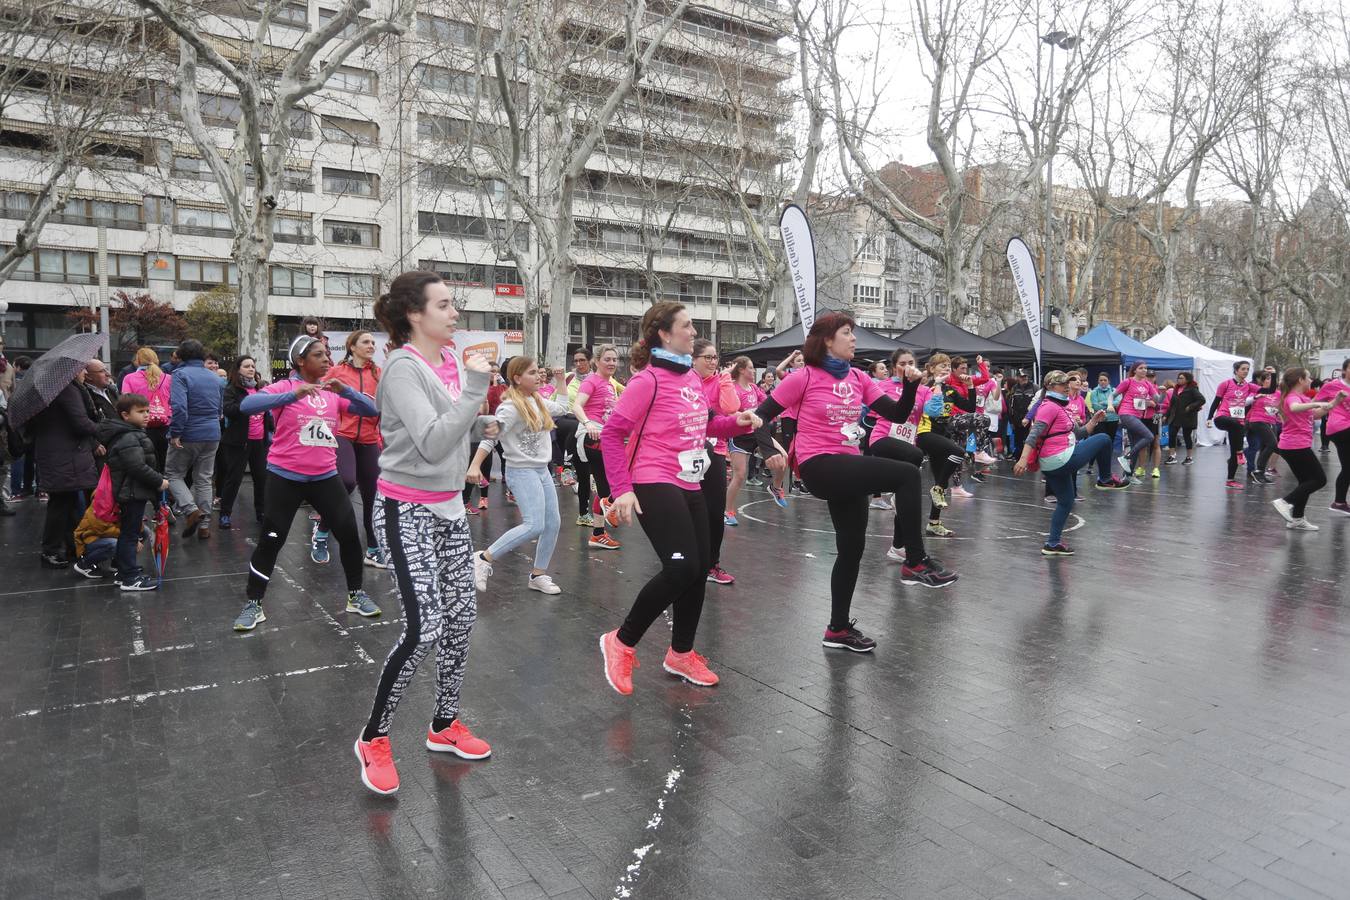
[935, 334]
[773, 350]
[1057, 351]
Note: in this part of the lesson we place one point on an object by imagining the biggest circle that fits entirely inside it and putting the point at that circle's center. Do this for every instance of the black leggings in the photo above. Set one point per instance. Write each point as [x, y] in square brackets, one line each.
[359, 467]
[846, 482]
[715, 497]
[676, 522]
[593, 466]
[64, 511]
[159, 438]
[1342, 441]
[1263, 434]
[230, 460]
[1176, 434]
[1107, 428]
[944, 458]
[564, 438]
[1237, 435]
[284, 497]
[1305, 466]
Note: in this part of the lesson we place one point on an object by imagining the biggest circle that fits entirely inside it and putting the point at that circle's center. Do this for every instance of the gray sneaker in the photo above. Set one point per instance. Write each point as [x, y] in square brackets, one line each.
[250, 616]
[376, 558]
[359, 602]
[482, 571]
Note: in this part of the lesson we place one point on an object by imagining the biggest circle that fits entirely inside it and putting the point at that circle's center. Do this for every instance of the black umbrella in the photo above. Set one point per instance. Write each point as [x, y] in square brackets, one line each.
[49, 376]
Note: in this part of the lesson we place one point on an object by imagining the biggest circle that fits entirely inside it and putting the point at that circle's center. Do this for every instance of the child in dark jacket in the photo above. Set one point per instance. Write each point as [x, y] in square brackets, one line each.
[131, 459]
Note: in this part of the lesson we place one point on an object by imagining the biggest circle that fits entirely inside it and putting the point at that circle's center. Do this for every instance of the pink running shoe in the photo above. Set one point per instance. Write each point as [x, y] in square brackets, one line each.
[459, 740]
[620, 661]
[691, 666]
[959, 491]
[377, 765]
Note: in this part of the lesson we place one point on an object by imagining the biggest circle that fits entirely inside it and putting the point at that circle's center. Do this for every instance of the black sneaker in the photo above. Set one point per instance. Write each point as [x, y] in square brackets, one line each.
[1060, 549]
[88, 570]
[848, 638]
[977, 477]
[928, 573]
[1253, 478]
[54, 562]
[1187, 461]
[141, 583]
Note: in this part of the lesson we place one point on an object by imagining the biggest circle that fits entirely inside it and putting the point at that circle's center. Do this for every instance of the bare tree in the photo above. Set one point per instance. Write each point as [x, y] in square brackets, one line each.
[272, 84]
[69, 71]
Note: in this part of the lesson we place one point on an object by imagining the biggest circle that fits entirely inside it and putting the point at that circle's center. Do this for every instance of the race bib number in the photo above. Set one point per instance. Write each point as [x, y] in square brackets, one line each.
[852, 433]
[1237, 412]
[906, 432]
[316, 433]
[693, 465]
[1140, 404]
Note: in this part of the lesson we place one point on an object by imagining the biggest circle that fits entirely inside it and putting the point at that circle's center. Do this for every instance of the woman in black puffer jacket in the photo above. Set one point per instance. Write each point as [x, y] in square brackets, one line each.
[1182, 417]
[63, 448]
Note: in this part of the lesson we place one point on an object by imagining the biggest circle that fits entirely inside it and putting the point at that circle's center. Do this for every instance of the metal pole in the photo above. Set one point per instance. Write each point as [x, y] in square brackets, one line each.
[1048, 268]
[103, 293]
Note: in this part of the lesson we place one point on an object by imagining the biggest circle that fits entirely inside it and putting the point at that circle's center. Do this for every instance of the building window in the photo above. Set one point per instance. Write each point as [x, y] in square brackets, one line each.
[471, 274]
[219, 110]
[348, 284]
[447, 81]
[159, 267]
[866, 248]
[288, 282]
[16, 204]
[204, 222]
[296, 14]
[354, 81]
[78, 211]
[476, 227]
[66, 266]
[354, 184]
[510, 322]
[126, 270]
[461, 131]
[340, 130]
[205, 274]
[328, 15]
[449, 31]
[866, 294]
[352, 234]
[293, 229]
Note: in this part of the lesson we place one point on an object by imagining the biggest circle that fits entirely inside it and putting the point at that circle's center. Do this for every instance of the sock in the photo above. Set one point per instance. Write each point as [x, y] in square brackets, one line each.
[439, 724]
[370, 734]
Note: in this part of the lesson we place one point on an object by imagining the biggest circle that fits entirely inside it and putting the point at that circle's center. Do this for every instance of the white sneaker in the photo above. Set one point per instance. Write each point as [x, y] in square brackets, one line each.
[543, 584]
[482, 571]
[1285, 509]
[959, 491]
[1124, 463]
[880, 503]
[1301, 525]
[984, 459]
[896, 553]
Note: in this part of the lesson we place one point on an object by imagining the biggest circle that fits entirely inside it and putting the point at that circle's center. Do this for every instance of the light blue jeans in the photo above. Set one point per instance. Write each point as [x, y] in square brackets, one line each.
[538, 501]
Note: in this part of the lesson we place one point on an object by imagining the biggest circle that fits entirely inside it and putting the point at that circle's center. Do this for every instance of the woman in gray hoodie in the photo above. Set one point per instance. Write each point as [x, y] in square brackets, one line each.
[428, 403]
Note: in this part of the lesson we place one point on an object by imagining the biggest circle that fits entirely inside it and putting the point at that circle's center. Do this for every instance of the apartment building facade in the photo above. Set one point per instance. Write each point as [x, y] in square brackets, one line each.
[385, 175]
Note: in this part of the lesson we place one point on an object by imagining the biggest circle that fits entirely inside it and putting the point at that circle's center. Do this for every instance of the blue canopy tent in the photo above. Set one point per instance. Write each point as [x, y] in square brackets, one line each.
[1108, 337]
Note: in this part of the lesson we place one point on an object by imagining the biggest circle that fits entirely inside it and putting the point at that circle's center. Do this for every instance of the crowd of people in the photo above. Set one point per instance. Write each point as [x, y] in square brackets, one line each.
[672, 449]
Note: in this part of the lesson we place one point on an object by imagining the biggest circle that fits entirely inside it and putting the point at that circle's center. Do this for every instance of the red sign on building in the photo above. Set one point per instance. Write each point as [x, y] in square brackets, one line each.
[510, 290]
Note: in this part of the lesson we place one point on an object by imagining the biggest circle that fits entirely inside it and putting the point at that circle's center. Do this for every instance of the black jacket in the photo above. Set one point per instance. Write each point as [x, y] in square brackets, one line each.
[1186, 405]
[63, 442]
[104, 407]
[235, 431]
[131, 460]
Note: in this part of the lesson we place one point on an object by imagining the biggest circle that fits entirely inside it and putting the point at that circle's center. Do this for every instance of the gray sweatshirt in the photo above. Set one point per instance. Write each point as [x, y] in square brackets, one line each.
[426, 433]
[521, 447]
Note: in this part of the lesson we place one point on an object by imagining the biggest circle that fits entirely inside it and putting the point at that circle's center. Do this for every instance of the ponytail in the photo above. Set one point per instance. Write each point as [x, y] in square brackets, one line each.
[150, 360]
[659, 317]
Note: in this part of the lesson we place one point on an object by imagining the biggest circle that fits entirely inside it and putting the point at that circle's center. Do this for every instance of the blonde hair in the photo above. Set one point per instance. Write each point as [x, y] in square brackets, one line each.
[150, 359]
[531, 408]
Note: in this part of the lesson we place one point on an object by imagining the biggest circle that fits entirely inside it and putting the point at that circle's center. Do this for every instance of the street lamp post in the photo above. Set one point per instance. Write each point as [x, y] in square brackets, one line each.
[1064, 41]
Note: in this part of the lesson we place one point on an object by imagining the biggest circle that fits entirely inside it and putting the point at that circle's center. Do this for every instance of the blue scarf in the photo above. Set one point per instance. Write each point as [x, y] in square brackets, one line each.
[836, 366]
[680, 359]
[1057, 397]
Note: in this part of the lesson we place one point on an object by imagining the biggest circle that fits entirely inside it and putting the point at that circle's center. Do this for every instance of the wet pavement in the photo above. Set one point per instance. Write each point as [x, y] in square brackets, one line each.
[1164, 715]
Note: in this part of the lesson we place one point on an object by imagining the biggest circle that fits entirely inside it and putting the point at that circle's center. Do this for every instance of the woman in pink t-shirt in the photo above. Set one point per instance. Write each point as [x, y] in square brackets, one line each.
[1296, 444]
[595, 401]
[302, 468]
[1338, 432]
[656, 455]
[720, 393]
[742, 449]
[1229, 413]
[1133, 397]
[827, 396]
[151, 382]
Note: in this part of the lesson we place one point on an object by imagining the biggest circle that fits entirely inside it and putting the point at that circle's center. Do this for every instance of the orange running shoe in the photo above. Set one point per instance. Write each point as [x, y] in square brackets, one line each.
[482, 503]
[691, 666]
[603, 542]
[620, 661]
[459, 740]
[611, 518]
[377, 765]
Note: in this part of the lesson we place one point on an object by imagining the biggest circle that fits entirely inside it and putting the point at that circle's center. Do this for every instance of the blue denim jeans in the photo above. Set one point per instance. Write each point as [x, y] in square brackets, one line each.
[538, 501]
[130, 522]
[97, 551]
[1093, 447]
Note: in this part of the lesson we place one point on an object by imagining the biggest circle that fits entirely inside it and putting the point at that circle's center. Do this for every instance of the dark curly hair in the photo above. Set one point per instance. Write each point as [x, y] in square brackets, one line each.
[813, 351]
[407, 294]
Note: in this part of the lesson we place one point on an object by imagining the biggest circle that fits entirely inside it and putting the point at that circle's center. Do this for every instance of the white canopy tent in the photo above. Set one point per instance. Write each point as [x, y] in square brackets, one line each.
[1212, 368]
